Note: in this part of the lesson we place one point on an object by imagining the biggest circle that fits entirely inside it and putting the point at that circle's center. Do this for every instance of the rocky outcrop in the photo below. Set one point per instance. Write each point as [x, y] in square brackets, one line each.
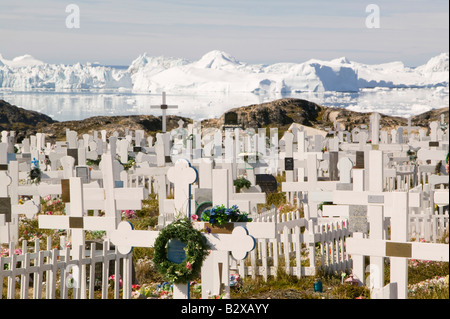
[13, 118]
[279, 113]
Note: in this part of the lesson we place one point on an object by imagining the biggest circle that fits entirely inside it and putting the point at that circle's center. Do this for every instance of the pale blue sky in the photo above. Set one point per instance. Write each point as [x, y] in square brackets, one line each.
[116, 32]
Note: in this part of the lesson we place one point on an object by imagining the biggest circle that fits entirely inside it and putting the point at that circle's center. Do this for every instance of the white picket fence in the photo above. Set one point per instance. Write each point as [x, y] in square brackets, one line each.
[427, 222]
[430, 228]
[53, 270]
[301, 247]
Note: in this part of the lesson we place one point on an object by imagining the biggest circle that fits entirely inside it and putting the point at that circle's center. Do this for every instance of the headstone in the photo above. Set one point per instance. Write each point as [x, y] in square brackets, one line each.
[333, 166]
[434, 126]
[73, 152]
[71, 138]
[288, 163]
[359, 159]
[345, 166]
[231, 118]
[400, 135]
[375, 127]
[357, 221]
[84, 173]
[267, 182]
[5, 208]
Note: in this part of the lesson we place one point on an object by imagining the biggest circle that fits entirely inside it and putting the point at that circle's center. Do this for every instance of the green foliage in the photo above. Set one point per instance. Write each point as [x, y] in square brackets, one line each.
[241, 183]
[92, 162]
[130, 164]
[420, 270]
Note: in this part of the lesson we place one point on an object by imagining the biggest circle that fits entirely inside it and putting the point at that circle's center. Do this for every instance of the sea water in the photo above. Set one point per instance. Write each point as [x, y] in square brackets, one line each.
[78, 105]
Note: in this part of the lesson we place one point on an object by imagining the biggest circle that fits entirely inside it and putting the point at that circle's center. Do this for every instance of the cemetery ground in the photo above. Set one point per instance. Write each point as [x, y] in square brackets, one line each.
[332, 213]
[426, 279]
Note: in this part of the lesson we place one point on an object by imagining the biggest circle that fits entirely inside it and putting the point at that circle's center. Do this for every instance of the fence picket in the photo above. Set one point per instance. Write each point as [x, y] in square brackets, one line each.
[56, 265]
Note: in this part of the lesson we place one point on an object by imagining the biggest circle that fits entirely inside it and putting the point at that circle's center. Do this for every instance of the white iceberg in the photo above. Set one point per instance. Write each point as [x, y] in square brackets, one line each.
[218, 71]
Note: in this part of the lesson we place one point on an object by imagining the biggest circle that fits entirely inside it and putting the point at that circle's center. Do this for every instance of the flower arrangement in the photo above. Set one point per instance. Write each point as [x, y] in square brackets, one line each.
[235, 280]
[129, 214]
[130, 164]
[35, 175]
[241, 182]
[92, 162]
[196, 250]
[219, 215]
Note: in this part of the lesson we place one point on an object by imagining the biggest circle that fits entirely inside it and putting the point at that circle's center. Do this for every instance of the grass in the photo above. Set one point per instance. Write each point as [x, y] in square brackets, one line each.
[285, 286]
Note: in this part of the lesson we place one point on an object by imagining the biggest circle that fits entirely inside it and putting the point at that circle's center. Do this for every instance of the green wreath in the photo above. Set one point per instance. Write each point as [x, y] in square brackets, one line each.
[196, 251]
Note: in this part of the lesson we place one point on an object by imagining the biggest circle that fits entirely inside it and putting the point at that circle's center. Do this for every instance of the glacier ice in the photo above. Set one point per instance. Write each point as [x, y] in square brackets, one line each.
[218, 71]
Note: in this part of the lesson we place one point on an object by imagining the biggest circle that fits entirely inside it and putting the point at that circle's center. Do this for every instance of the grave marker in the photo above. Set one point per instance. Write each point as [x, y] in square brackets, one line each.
[163, 107]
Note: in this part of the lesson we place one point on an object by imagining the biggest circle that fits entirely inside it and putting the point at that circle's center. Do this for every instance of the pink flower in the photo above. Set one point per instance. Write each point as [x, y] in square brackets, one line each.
[129, 213]
[113, 278]
[188, 265]
[194, 217]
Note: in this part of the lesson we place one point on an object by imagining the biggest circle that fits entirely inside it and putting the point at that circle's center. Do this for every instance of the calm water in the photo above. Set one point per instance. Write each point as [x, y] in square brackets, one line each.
[64, 106]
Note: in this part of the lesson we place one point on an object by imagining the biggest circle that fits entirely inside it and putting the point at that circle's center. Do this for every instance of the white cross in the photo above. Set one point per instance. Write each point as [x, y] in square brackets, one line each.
[183, 175]
[398, 249]
[311, 185]
[163, 107]
[10, 204]
[77, 223]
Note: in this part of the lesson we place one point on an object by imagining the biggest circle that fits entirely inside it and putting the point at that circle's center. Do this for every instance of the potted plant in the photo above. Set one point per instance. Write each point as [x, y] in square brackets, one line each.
[240, 183]
[221, 219]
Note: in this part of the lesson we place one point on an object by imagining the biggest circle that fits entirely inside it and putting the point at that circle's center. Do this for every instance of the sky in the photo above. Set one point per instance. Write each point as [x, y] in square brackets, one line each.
[116, 32]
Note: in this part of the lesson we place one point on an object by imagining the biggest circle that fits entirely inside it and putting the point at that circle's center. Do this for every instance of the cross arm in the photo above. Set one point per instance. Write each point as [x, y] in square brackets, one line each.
[125, 237]
[414, 250]
[68, 222]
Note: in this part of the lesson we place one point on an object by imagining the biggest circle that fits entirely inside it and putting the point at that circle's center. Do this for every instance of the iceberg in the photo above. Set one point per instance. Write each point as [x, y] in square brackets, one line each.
[27, 73]
[218, 71]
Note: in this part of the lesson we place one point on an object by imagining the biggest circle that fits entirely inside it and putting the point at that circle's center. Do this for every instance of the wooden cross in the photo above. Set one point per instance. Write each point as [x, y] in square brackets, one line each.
[311, 185]
[94, 198]
[398, 249]
[5, 202]
[182, 175]
[379, 205]
[111, 200]
[239, 242]
[163, 107]
[77, 223]
[9, 205]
